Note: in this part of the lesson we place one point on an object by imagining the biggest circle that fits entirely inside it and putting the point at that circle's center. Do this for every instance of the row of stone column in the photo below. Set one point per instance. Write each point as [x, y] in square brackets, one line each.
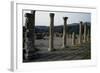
[85, 35]
[30, 32]
[51, 44]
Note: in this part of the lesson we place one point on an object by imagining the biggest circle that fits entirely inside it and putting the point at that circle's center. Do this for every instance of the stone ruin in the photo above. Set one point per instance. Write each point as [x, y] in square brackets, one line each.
[29, 34]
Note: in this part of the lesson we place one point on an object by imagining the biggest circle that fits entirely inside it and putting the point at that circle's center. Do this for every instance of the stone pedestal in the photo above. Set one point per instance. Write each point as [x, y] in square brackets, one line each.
[51, 32]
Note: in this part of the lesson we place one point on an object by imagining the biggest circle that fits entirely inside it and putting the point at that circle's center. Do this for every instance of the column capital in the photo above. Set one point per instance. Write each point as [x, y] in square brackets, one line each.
[28, 15]
[65, 18]
[33, 11]
[52, 14]
[81, 22]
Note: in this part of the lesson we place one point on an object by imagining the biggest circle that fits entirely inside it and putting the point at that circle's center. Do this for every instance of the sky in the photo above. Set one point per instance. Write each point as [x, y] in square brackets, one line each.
[42, 18]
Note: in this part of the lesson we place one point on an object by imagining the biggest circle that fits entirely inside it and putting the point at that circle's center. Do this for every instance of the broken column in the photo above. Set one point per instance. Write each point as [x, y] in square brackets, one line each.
[33, 27]
[73, 38]
[51, 32]
[80, 32]
[64, 31]
[85, 26]
[30, 34]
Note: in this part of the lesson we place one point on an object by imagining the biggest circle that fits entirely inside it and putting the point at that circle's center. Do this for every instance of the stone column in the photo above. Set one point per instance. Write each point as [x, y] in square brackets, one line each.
[85, 27]
[51, 32]
[88, 36]
[73, 38]
[80, 32]
[64, 31]
[33, 27]
[30, 34]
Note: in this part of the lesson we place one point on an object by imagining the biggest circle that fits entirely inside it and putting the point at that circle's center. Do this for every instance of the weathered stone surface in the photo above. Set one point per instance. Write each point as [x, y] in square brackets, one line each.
[30, 33]
[85, 27]
[80, 32]
[73, 38]
[64, 31]
[51, 32]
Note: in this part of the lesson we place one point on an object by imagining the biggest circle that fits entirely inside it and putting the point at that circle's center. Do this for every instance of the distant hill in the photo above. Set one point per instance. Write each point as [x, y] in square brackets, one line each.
[74, 27]
[41, 29]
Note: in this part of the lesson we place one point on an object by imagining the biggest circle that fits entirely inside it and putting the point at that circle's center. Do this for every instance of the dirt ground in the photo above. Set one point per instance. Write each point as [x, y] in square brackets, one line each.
[43, 44]
[77, 52]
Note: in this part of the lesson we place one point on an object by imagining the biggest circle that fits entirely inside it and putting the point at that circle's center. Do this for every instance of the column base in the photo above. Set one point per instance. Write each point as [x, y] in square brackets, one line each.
[30, 54]
[49, 49]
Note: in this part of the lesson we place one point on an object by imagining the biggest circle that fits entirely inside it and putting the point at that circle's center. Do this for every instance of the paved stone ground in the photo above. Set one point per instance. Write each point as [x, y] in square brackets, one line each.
[70, 53]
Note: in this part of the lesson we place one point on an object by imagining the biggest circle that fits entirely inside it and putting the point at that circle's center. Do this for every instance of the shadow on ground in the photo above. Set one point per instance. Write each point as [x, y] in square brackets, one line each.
[78, 52]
